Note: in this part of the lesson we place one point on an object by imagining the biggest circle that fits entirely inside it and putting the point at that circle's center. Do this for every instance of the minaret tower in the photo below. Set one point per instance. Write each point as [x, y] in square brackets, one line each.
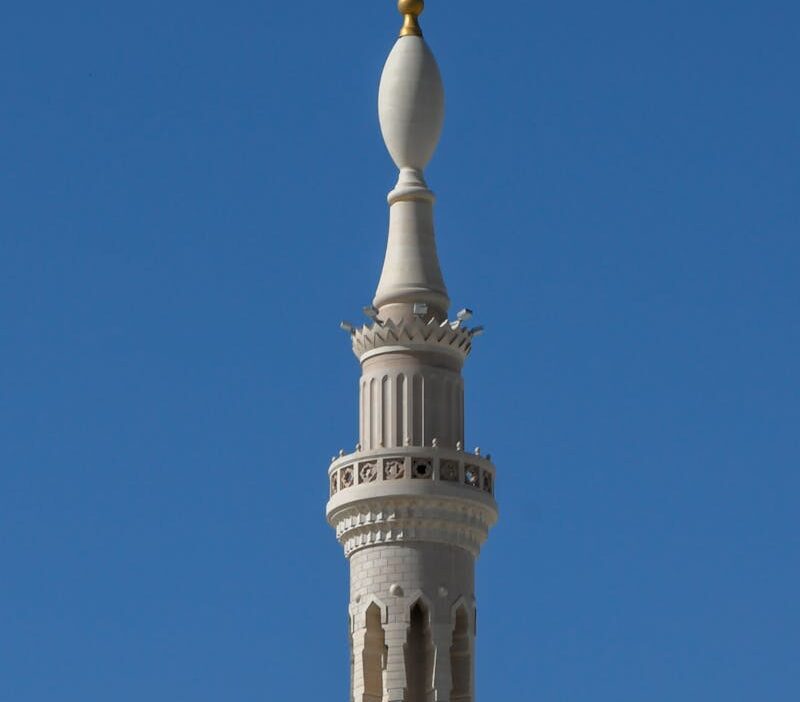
[410, 506]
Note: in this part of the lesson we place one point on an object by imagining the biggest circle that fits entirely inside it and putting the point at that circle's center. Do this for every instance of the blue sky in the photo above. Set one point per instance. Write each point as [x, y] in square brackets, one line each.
[193, 195]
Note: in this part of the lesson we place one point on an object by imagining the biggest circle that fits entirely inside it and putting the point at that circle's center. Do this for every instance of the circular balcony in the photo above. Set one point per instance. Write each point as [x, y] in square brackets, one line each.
[411, 493]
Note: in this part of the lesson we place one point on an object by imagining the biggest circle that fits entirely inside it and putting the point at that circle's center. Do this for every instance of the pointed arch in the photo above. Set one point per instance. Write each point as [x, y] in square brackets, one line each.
[461, 654]
[380, 604]
[418, 596]
[419, 654]
[374, 654]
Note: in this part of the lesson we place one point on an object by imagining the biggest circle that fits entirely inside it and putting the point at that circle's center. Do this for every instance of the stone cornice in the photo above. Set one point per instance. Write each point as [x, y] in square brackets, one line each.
[385, 519]
[417, 493]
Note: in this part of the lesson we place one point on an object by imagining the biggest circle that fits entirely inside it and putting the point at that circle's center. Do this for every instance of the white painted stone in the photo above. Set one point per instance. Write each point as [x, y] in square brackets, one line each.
[411, 271]
[411, 103]
[409, 507]
[411, 112]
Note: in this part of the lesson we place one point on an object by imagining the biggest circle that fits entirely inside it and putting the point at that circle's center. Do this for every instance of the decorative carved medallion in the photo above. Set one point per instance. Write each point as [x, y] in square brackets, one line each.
[422, 468]
[367, 472]
[334, 484]
[347, 477]
[394, 468]
[448, 470]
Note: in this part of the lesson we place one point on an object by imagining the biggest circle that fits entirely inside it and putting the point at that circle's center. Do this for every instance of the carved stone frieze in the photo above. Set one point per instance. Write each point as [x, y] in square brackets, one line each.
[385, 520]
[353, 471]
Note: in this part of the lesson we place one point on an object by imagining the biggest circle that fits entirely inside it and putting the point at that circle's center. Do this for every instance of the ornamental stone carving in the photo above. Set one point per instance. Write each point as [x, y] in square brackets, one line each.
[347, 477]
[368, 471]
[403, 519]
[394, 468]
[449, 471]
[422, 468]
[433, 335]
[359, 470]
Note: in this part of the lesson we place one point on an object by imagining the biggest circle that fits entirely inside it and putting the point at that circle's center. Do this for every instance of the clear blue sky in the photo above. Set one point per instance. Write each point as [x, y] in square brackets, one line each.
[192, 195]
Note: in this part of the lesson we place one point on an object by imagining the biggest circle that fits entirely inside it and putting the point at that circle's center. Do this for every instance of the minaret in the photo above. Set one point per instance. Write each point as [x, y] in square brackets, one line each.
[410, 506]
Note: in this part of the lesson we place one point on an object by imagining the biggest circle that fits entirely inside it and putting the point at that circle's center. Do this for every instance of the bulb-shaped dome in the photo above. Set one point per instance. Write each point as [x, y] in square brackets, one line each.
[411, 103]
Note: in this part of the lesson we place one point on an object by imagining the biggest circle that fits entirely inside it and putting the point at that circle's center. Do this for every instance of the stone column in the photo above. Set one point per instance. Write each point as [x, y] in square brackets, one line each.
[358, 665]
[395, 677]
[442, 676]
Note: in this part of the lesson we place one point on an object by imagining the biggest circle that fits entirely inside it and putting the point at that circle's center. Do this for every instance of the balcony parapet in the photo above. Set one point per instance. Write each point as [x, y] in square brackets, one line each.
[411, 464]
[411, 493]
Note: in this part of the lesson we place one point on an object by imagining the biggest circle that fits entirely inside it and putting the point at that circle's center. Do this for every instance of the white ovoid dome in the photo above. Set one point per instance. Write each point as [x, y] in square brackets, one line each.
[411, 103]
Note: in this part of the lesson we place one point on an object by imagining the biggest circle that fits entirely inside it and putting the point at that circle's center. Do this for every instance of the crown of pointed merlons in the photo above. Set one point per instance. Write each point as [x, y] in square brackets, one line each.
[448, 336]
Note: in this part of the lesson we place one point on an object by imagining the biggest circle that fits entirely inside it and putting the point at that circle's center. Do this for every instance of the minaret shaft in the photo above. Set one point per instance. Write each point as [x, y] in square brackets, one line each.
[409, 506]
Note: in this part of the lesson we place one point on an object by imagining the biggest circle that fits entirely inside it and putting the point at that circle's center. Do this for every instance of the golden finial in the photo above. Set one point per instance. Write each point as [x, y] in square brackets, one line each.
[410, 9]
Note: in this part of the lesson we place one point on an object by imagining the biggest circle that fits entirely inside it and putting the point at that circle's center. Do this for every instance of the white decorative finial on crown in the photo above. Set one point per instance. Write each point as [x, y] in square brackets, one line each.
[411, 106]
[411, 113]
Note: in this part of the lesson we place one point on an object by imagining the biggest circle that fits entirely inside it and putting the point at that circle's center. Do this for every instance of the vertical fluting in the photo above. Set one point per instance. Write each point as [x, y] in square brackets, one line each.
[400, 410]
[412, 407]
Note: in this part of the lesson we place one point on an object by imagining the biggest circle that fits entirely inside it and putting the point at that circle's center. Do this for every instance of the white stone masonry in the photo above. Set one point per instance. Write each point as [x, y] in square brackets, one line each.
[410, 506]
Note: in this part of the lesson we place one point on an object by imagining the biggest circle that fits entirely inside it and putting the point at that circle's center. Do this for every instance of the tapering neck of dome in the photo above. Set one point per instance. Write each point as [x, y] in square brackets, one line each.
[411, 112]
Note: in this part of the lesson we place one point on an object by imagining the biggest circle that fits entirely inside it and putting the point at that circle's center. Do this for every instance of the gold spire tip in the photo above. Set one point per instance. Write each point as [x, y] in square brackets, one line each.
[410, 9]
